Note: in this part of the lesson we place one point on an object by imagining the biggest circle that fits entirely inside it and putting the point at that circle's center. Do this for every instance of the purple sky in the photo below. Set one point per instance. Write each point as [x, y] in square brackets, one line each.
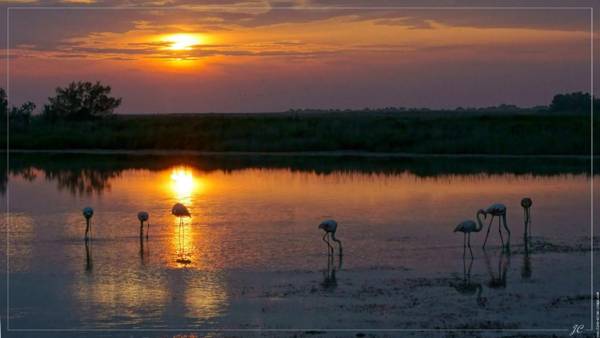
[257, 56]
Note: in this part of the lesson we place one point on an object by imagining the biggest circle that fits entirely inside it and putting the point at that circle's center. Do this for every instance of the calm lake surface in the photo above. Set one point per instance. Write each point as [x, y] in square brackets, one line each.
[256, 256]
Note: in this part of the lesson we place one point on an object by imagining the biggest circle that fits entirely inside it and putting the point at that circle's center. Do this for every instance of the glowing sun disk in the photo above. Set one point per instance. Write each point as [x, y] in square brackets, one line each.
[182, 41]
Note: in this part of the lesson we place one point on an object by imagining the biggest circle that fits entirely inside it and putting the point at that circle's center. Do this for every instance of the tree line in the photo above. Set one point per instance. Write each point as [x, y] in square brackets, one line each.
[81, 101]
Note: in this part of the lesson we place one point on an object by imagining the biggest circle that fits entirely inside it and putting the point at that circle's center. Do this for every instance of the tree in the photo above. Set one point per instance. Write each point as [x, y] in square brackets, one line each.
[19, 117]
[81, 101]
[3, 105]
[577, 102]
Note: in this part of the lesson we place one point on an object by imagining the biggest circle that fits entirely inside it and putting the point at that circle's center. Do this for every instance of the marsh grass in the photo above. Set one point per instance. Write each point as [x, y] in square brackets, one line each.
[544, 134]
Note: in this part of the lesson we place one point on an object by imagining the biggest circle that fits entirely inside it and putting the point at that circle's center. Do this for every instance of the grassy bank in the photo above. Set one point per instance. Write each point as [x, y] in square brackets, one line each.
[371, 132]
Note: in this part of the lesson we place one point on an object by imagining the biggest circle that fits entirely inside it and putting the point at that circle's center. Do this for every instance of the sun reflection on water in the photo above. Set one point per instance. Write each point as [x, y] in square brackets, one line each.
[183, 184]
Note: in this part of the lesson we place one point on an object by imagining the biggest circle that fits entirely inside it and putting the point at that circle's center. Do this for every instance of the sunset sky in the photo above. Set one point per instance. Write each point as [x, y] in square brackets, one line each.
[257, 56]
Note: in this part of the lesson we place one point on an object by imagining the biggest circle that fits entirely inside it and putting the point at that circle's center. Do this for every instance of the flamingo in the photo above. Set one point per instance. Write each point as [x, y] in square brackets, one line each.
[143, 217]
[88, 213]
[526, 204]
[180, 211]
[498, 210]
[467, 227]
[330, 226]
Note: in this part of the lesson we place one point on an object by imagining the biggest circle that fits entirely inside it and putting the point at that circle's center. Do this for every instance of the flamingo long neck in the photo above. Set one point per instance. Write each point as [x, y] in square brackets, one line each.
[479, 223]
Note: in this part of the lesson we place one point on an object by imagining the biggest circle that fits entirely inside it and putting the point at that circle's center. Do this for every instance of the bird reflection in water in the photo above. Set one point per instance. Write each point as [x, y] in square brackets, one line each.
[498, 281]
[329, 282]
[468, 287]
[526, 269]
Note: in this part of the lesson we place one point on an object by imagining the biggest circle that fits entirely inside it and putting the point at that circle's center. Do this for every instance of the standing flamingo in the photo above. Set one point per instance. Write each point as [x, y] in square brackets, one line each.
[143, 217]
[180, 211]
[498, 210]
[330, 226]
[467, 227]
[526, 204]
[88, 213]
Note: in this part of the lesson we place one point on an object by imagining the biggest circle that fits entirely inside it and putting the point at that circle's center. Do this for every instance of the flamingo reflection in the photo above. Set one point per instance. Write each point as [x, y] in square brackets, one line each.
[498, 281]
[329, 279]
[468, 287]
[180, 211]
[526, 269]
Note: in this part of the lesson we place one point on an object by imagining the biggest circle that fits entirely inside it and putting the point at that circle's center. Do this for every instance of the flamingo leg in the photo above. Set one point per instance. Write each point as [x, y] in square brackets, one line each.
[529, 221]
[337, 241]
[87, 229]
[488, 232]
[507, 230]
[469, 244]
[147, 230]
[500, 230]
[326, 240]
[464, 244]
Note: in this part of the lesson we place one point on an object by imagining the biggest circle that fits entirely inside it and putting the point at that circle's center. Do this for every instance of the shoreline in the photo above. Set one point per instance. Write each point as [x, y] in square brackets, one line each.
[167, 152]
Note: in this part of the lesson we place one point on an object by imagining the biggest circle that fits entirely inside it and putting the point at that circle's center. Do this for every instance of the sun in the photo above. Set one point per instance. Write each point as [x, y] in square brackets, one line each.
[183, 41]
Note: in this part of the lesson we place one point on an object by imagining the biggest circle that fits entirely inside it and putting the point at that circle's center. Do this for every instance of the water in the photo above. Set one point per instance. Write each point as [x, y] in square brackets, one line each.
[256, 255]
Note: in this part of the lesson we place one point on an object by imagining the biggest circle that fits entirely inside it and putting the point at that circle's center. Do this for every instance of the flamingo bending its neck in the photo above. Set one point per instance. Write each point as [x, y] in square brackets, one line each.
[143, 217]
[330, 227]
[496, 210]
[88, 213]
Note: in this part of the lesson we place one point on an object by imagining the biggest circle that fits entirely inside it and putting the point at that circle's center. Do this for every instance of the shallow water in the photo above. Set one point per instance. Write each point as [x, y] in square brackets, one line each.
[256, 255]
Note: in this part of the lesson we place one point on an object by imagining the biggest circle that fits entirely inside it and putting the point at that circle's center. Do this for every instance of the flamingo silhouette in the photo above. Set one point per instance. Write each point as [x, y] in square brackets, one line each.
[180, 211]
[330, 227]
[88, 213]
[143, 217]
[526, 204]
[467, 227]
[496, 210]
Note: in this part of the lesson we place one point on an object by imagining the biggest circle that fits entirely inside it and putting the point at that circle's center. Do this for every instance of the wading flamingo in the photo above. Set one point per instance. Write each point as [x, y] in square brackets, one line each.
[143, 217]
[88, 213]
[467, 227]
[526, 204]
[180, 211]
[496, 210]
[330, 226]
